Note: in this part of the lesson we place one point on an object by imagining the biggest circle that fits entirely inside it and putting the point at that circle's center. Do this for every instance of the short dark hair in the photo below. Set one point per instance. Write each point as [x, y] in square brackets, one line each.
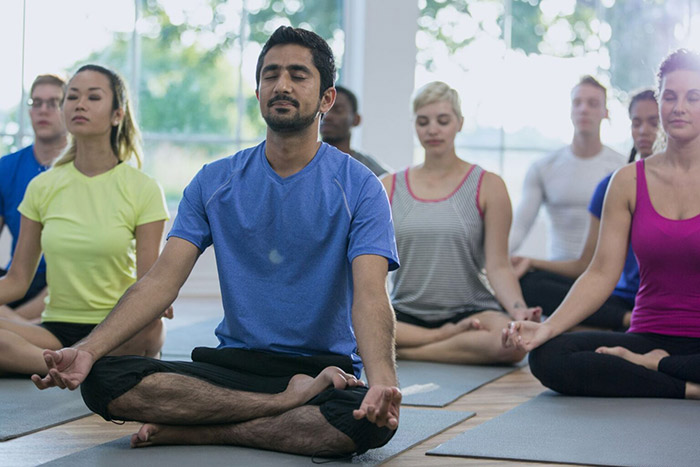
[681, 59]
[53, 80]
[591, 81]
[320, 50]
[350, 95]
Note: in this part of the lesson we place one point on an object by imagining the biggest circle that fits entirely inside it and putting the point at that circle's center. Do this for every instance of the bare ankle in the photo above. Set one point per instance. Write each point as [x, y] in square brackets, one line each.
[692, 390]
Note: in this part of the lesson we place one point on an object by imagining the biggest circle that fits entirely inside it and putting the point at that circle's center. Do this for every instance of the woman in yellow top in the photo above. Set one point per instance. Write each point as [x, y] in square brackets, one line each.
[99, 222]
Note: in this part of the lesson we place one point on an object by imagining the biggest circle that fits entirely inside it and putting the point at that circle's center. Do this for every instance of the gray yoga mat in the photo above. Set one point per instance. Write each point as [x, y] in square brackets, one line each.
[438, 384]
[25, 409]
[180, 341]
[588, 430]
[416, 426]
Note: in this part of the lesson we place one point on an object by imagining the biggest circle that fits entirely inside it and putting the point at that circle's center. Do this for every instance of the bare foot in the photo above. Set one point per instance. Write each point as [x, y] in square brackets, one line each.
[448, 330]
[145, 436]
[649, 360]
[692, 390]
[151, 434]
[301, 387]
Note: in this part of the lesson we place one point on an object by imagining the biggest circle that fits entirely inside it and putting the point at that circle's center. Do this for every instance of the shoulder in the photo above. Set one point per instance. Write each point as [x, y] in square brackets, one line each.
[623, 182]
[49, 182]
[137, 180]
[611, 154]
[556, 158]
[213, 174]
[343, 167]
[563, 153]
[9, 161]
[53, 176]
[492, 187]
[603, 184]
[388, 181]
[609, 159]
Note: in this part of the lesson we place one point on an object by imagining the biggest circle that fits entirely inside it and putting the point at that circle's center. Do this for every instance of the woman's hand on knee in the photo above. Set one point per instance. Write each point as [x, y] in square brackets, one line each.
[525, 335]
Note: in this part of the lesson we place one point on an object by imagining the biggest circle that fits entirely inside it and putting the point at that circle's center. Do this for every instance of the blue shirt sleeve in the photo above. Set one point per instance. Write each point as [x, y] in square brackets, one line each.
[192, 222]
[595, 207]
[372, 229]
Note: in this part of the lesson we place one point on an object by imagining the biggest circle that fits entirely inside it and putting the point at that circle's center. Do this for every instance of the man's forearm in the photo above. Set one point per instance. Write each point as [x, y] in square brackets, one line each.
[140, 305]
[375, 328]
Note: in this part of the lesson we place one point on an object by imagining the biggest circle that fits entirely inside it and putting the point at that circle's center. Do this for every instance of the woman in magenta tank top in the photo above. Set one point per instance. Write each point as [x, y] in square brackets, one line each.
[654, 205]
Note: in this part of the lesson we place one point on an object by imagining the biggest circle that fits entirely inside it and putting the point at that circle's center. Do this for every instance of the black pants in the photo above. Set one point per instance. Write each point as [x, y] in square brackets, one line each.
[547, 290]
[568, 364]
[241, 370]
[37, 285]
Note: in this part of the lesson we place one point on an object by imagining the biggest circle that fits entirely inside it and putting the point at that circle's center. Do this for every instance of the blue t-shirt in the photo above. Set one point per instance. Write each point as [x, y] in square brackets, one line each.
[16, 171]
[284, 247]
[629, 280]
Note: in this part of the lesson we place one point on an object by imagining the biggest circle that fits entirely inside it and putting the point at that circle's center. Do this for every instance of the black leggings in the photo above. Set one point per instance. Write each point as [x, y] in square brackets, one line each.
[547, 290]
[568, 364]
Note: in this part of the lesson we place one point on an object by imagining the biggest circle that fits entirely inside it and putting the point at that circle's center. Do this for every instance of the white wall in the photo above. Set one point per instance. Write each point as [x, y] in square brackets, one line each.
[380, 65]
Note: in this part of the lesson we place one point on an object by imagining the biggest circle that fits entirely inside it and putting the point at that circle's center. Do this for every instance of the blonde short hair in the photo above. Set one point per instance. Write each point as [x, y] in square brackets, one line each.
[437, 91]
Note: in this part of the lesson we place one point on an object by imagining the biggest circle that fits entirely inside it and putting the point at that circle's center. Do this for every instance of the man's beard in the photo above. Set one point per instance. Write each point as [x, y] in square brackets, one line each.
[285, 124]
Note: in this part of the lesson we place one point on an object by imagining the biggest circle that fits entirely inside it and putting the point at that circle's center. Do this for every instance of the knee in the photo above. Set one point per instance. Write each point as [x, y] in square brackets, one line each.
[548, 363]
[109, 378]
[96, 386]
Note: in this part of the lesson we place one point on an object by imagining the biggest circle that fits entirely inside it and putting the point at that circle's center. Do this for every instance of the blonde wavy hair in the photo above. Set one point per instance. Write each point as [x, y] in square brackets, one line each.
[125, 138]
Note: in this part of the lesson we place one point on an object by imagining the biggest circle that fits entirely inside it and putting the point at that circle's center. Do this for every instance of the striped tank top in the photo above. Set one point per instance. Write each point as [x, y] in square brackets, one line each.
[441, 247]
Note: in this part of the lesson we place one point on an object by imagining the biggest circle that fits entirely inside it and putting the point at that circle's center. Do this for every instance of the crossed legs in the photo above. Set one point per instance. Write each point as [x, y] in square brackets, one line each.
[474, 340]
[201, 403]
[619, 365]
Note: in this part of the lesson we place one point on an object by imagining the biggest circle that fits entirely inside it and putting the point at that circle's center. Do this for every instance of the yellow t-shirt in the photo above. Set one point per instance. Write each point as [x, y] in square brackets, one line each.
[88, 239]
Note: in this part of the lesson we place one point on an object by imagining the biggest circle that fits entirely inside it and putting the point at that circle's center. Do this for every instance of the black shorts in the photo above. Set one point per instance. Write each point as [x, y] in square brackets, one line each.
[410, 319]
[37, 285]
[68, 333]
[241, 370]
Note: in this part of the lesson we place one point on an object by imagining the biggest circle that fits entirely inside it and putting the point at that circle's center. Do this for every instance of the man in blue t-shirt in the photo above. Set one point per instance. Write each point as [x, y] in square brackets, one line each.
[18, 169]
[304, 240]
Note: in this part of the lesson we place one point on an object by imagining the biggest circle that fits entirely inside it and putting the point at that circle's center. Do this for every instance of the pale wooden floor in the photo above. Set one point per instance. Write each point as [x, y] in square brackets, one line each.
[199, 301]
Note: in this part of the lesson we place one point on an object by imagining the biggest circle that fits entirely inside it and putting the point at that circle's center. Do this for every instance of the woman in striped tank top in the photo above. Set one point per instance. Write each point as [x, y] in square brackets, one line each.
[451, 220]
[653, 204]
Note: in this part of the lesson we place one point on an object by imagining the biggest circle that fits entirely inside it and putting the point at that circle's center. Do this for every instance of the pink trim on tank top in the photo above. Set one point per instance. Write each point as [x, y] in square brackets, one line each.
[408, 187]
[478, 192]
[646, 197]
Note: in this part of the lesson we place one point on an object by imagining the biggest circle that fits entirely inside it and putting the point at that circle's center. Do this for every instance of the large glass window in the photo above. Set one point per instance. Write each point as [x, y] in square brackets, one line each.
[514, 63]
[190, 65]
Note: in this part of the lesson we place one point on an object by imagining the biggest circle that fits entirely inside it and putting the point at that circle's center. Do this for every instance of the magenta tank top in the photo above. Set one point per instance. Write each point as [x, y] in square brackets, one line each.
[668, 253]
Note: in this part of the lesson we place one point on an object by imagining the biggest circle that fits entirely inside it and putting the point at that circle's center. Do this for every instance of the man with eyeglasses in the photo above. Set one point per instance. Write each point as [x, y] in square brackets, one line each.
[19, 168]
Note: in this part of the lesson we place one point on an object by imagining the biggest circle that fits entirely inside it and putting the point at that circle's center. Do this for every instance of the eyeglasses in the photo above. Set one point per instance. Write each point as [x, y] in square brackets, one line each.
[51, 104]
